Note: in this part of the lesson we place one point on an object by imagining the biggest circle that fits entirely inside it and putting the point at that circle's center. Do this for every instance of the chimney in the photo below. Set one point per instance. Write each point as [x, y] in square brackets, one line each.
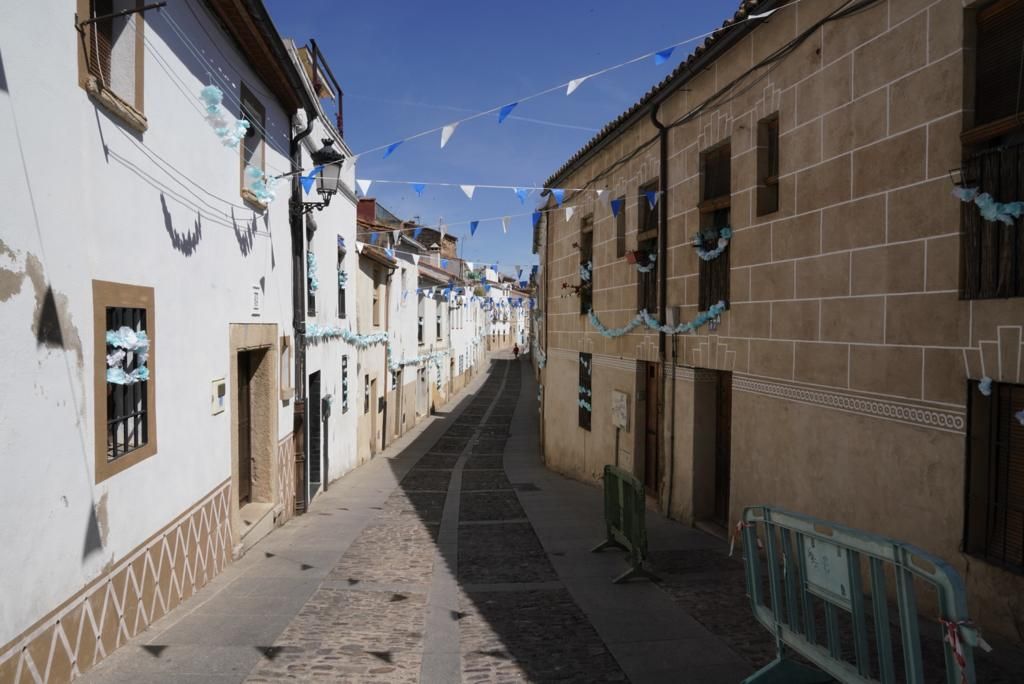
[367, 210]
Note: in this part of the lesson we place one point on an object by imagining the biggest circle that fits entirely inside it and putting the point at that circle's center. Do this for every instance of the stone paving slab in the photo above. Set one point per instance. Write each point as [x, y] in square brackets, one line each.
[507, 552]
[491, 505]
[485, 479]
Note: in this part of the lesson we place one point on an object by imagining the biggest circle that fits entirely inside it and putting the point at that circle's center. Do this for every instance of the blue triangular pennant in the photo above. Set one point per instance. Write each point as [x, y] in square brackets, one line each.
[419, 187]
[524, 283]
[559, 195]
[444, 264]
[307, 181]
[536, 218]
[505, 111]
[652, 197]
[373, 238]
[616, 206]
[472, 227]
[416, 232]
[663, 56]
[521, 194]
[487, 288]
[391, 148]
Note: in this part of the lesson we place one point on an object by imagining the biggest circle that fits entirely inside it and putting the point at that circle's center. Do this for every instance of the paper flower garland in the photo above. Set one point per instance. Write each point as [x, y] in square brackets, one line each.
[985, 386]
[311, 277]
[990, 209]
[651, 258]
[229, 129]
[260, 185]
[644, 318]
[724, 235]
[342, 278]
[586, 269]
[129, 345]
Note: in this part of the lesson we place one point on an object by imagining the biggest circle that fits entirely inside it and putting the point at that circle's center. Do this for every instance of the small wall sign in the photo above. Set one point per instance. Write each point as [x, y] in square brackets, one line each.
[218, 396]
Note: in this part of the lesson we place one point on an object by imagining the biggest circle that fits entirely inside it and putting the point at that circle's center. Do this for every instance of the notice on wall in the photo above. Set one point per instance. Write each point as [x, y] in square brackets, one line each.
[620, 410]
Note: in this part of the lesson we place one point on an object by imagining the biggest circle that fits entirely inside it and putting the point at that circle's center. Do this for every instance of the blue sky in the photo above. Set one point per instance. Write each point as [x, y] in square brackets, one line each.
[406, 67]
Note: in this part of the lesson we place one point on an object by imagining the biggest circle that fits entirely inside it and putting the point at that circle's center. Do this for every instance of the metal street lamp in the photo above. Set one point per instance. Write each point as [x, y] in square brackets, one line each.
[328, 180]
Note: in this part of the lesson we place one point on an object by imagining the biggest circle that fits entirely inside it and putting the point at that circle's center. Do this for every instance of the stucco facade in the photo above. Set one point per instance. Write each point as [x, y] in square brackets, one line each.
[846, 351]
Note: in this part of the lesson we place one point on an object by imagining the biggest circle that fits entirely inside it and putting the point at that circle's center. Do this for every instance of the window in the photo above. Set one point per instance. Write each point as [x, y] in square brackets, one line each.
[111, 58]
[254, 149]
[438, 316]
[647, 246]
[366, 394]
[344, 383]
[994, 524]
[768, 165]
[584, 390]
[992, 253]
[284, 368]
[421, 310]
[997, 68]
[311, 278]
[376, 295]
[342, 277]
[713, 275]
[620, 229]
[125, 408]
[586, 264]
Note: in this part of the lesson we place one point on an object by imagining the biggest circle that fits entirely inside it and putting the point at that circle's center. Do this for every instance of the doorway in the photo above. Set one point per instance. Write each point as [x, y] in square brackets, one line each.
[649, 410]
[315, 429]
[374, 410]
[422, 392]
[712, 446]
[248, 361]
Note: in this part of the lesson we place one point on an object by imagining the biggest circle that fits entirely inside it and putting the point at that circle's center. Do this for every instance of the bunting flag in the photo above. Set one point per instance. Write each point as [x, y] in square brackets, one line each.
[504, 223]
[663, 56]
[505, 111]
[617, 206]
[444, 263]
[487, 288]
[600, 194]
[359, 247]
[416, 259]
[405, 295]
[391, 148]
[390, 252]
[419, 188]
[559, 194]
[536, 218]
[373, 238]
[446, 133]
[307, 181]
[472, 231]
[469, 264]
[469, 190]
[416, 232]
[569, 211]
[494, 267]
[364, 185]
[652, 197]
[521, 194]
[524, 283]
[574, 84]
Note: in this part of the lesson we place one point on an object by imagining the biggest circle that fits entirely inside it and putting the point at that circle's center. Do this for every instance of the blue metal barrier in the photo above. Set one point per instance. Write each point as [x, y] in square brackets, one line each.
[815, 570]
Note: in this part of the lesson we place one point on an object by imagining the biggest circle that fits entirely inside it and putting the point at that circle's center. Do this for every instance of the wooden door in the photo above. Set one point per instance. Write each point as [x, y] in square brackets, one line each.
[723, 446]
[652, 459]
[246, 368]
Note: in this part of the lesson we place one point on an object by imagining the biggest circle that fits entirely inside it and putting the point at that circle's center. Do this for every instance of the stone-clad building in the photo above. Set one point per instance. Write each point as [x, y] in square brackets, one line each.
[865, 303]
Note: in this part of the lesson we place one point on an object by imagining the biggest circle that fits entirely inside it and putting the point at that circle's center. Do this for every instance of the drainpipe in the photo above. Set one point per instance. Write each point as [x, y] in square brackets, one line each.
[662, 297]
[299, 297]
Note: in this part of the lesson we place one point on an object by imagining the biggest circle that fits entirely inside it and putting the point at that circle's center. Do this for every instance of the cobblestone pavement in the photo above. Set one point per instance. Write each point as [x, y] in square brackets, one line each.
[426, 566]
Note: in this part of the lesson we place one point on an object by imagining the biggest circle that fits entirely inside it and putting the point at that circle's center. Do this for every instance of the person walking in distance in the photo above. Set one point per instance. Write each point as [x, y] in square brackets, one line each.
[515, 350]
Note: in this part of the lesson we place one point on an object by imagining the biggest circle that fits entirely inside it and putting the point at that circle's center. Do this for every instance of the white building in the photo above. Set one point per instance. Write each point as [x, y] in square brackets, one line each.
[125, 214]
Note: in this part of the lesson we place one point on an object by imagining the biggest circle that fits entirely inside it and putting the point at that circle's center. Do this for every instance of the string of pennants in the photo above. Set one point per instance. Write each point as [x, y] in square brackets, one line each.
[471, 266]
[659, 57]
[616, 205]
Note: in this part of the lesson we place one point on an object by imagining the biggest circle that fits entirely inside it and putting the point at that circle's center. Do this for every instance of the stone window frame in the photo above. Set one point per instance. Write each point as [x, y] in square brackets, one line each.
[647, 239]
[251, 112]
[104, 295]
[130, 113]
[994, 442]
[768, 155]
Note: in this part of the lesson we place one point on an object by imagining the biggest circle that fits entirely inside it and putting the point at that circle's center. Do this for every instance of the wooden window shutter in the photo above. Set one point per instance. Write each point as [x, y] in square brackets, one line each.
[1000, 52]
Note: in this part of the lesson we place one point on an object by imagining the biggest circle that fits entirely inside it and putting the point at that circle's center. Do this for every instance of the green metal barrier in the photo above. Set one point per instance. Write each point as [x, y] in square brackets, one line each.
[817, 572]
[625, 522]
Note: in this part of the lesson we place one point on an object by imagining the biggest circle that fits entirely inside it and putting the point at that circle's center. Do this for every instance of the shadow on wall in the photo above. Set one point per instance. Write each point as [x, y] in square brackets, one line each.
[3, 75]
[185, 243]
[245, 233]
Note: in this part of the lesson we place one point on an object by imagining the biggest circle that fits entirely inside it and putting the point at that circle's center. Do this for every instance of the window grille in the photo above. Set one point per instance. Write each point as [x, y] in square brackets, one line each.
[127, 402]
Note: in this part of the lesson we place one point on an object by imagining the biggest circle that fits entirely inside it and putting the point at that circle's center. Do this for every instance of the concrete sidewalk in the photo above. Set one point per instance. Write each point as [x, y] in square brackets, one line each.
[454, 556]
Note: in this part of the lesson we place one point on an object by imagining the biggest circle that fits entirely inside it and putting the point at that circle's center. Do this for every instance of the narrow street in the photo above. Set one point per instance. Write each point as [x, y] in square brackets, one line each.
[453, 556]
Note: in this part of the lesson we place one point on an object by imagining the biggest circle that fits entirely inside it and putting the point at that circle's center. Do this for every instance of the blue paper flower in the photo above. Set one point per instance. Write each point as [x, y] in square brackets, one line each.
[985, 386]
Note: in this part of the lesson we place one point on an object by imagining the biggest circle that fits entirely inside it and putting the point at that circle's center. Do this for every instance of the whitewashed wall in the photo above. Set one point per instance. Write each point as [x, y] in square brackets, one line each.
[84, 199]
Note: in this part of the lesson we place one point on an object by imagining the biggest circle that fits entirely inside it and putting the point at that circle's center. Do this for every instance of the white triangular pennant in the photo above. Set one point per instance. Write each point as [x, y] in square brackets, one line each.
[574, 84]
[569, 211]
[505, 220]
[359, 247]
[364, 185]
[470, 264]
[416, 259]
[762, 15]
[600, 194]
[446, 133]
[469, 190]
